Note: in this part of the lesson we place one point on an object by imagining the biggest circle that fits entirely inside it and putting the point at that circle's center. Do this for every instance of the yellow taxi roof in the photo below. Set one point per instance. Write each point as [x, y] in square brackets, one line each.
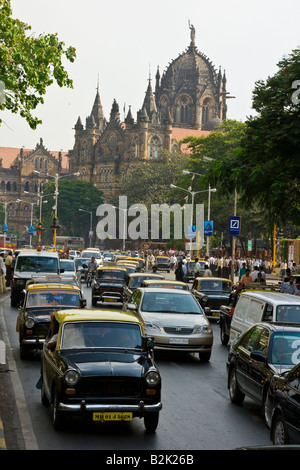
[52, 286]
[146, 274]
[163, 281]
[210, 278]
[68, 315]
[113, 268]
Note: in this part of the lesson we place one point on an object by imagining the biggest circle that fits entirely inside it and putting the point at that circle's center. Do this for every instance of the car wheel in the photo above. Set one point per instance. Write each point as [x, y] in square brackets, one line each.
[279, 433]
[57, 419]
[223, 336]
[24, 353]
[151, 422]
[204, 357]
[236, 396]
[44, 398]
[13, 302]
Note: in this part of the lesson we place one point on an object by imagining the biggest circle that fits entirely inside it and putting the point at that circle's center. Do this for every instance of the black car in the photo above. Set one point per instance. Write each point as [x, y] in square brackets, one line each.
[108, 284]
[282, 410]
[211, 293]
[191, 267]
[262, 351]
[163, 263]
[40, 301]
[98, 365]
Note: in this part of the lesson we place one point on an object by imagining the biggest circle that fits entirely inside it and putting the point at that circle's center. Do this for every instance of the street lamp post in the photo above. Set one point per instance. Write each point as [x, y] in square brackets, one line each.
[91, 223]
[5, 204]
[31, 216]
[41, 196]
[210, 190]
[193, 193]
[56, 178]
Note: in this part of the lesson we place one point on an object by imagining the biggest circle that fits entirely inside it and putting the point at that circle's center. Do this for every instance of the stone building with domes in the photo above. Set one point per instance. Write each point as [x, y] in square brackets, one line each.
[189, 99]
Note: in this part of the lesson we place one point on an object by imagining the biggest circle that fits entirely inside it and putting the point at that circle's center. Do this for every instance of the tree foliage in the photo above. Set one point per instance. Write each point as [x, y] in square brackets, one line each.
[28, 65]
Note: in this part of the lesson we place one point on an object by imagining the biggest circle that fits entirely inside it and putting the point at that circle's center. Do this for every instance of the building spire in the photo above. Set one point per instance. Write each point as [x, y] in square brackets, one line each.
[97, 110]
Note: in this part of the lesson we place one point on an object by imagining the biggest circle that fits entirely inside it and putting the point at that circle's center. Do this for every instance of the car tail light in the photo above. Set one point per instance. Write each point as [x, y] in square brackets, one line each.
[231, 312]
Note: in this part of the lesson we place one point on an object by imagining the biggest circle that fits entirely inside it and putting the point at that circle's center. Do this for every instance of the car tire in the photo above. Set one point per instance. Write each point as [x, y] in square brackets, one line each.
[279, 435]
[151, 422]
[223, 336]
[13, 302]
[44, 398]
[204, 357]
[236, 396]
[57, 419]
[24, 351]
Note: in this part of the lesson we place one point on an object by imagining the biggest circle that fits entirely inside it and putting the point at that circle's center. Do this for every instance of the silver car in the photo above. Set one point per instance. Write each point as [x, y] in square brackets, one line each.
[174, 319]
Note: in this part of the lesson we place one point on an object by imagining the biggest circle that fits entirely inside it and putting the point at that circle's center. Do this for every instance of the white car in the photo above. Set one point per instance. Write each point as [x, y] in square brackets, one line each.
[174, 319]
[68, 265]
[95, 253]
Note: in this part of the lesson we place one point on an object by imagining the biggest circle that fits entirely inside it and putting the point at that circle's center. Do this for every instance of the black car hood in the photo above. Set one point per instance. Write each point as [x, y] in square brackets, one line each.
[43, 313]
[107, 363]
[110, 283]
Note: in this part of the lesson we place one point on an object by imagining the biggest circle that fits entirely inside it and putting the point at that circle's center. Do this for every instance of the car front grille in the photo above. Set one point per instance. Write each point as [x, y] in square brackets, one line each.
[41, 329]
[215, 304]
[178, 331]
[98, 387]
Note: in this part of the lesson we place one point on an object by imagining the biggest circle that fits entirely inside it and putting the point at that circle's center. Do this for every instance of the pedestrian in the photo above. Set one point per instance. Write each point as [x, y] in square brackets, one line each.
[179, 272]
[197, 268]
[254, 273]
[242, 271]
[9, 271]
[260, 278]
[289, 287]
[2, 265]
[246, 279]
[207, 271]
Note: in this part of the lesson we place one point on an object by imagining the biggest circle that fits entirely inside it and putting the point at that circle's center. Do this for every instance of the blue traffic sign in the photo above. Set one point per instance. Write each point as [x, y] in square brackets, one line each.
[30, 229]
[234, 225]
[191, 231]
[208, 228]
[4, 228]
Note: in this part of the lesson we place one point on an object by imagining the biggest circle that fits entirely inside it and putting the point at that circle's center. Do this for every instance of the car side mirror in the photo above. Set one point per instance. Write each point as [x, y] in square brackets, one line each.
[82, 303]
[131, 306]
[61, 270]
[147, 342]
[257, 356]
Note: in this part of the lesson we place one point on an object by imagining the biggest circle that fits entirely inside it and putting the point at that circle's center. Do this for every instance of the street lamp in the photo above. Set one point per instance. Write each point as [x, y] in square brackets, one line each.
[91, 224]
[5, 216]
[124, 222]
[31, 216]
[56, 177]
[193, 193]
[213, 190]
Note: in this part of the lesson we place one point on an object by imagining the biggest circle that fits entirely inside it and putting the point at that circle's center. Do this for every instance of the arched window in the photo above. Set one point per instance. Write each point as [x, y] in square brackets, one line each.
[206, 110]
[184, 110]
[135, 147]
[11, 209]
[154, 147]
[41, 163]
[14, 187]
[8, 186]
[26, 186]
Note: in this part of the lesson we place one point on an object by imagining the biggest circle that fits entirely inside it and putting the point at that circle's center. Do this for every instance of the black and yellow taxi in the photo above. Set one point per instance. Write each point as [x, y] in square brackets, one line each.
[165, 283]
[134, 280]
[163, 263]
[98, 365]
[107, 285]
[40, 301]
[211, 293]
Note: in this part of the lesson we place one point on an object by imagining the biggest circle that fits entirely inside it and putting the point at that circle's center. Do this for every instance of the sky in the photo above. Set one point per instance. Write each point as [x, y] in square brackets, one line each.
[121, 42]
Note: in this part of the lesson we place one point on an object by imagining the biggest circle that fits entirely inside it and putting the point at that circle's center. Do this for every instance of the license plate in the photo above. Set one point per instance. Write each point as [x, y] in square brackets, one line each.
[178, 341]
[109, 299]
[112, 416]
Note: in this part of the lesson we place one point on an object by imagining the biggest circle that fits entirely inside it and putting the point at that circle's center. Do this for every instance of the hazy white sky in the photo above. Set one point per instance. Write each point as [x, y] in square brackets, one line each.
[120, 41]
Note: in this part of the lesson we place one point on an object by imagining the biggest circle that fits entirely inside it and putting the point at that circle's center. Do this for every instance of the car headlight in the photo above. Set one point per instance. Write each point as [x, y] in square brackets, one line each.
[204, 299]
[71, 377]
[151, 327]
[202, 329]
[152, 378]
[29, 323]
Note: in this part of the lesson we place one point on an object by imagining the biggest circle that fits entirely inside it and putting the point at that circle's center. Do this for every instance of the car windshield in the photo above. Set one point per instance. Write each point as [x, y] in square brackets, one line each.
[168, 285]
[170, 302]
[288, 313]
[37, 264]
[215, 285]
[163, 260]
[67, 265]
[137, 280]
[89, 254]
[96, 334]
[111, 274]
[80, 261]
[53, 297]
[285, 348]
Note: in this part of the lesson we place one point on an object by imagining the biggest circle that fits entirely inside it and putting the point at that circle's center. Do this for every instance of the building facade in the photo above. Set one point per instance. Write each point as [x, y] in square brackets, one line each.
[189, 99]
